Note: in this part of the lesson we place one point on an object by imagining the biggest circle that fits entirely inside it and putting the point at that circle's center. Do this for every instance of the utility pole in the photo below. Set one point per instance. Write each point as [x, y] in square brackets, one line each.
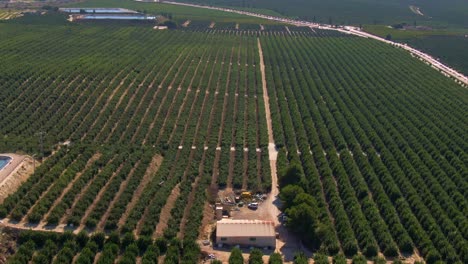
[41, 135]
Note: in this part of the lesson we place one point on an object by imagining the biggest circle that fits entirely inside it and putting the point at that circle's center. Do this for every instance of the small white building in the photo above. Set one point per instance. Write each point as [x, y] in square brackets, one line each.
[246, 233]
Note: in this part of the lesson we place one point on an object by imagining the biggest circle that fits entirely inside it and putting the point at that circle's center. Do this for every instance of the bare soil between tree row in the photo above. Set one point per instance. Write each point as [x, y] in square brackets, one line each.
[165, 214]
[94, 158]
[149, 173]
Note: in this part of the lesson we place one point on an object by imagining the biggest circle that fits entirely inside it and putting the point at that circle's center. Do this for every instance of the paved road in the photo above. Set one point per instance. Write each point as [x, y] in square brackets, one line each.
[446, 70]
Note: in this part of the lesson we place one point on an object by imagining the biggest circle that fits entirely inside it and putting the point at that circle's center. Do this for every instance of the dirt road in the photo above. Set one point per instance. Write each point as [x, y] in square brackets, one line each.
[287, 244]
[272, 200]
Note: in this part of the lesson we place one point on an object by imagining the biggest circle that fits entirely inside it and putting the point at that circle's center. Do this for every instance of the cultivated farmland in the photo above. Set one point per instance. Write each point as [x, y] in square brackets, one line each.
[144, 126]
[448, 13]
[382, 154]
[8, 14]
[198, 105]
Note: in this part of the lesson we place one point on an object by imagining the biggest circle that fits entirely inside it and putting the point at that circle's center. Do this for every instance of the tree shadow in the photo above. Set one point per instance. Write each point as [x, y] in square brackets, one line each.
[289, 244]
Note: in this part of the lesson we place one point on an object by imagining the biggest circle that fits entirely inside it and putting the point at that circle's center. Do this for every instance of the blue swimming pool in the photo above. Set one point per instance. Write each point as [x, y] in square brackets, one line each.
[4, 161]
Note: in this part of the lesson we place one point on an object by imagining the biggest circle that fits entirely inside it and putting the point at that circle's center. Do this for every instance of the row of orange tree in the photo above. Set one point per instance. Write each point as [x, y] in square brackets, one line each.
[359, 139]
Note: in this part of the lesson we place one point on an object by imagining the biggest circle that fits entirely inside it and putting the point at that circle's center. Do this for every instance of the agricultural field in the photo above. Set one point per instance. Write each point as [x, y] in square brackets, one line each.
[447, 45]
[8, 14]
[448, 13]
[384, 157]
[440, 27]
[149, 115]
[174, 101]
[47, 247]
[141, 128]
[449, 49]
[177, 13]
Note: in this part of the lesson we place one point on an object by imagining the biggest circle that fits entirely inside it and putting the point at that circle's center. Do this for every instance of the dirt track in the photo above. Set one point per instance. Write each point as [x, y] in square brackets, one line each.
[272, 152]
[165, 214]
[287, 244]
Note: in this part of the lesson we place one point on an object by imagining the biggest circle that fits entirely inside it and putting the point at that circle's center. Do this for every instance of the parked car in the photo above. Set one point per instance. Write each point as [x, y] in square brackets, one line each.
[253, 205]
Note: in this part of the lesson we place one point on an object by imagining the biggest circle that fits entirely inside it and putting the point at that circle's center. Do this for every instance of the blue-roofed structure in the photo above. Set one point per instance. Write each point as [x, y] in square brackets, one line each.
[85, 13]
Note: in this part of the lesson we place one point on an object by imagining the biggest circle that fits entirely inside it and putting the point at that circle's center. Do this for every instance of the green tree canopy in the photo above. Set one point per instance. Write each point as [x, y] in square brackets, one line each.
[339, 259]
[293, 175]
[275, 258]
[256, 256]
[359, 259]
[289, 193]
[379, 260]
[320, 258]
[301, 219]
[306, 199]
[300, 258]
[236, 256]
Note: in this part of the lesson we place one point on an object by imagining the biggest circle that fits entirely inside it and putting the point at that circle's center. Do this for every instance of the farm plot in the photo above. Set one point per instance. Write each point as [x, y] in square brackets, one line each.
[8, 14]
[184, 96]
[48, 247]
[156, 119]
[377, 138]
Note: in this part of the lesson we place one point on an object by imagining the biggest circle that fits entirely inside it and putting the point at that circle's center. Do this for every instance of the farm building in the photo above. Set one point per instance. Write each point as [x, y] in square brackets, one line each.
[92, 10]
[86, 13]
[113, 17]
[247, 233]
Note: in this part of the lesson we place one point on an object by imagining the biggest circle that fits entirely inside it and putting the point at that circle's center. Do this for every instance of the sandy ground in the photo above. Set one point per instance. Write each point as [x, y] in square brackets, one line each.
[165, 214]
[6, 222]
[207, 222]
[15, 173]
